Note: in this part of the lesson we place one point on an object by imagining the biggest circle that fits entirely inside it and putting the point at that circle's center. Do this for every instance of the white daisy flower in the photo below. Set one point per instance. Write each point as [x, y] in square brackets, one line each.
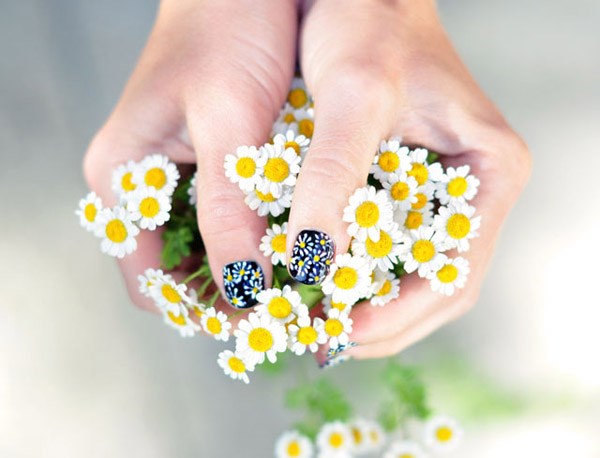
[402, 190]
[412, 220]
[181, 322]
[157, 171]
[196, 308]
[298, 96]
[148, 278]
[359, 429]
[390, 158]
[441, 434]
[421, 170]
[388, 288]
[235, 365]
[216, 324]
[89, 207]
[285, 121]
[348, 280]
[278, 304]
[274, 243]
[117, 231]
[290, 139]
[123, 178]
[452, 274]
[457, 223]
[245, 167]
[424, 195]
[405, 449]
[337, 327]
[260, 337]
[148, 207]
[375, 436]
[368, 212]
[328, 304]
[334, 437]
[425, 251]
[292, 444]
[456, 186]
[306, 334]
[266, 204]
[383, 253]
[281, 168]
[193, 190]
[168, 294]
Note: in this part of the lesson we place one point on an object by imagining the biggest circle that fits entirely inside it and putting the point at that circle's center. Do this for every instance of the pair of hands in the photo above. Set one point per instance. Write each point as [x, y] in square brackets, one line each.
[214, 76]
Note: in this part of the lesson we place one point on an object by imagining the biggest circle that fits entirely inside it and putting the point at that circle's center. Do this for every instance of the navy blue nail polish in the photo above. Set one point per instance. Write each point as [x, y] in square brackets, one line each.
[332, 362]
[312, 256]
[242, 281]
[340, 348]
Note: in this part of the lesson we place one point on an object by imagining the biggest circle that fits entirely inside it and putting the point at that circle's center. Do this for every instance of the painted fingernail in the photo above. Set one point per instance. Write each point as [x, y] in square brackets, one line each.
[340, 348]
[242, 281]
[312, 255]
[336, 361]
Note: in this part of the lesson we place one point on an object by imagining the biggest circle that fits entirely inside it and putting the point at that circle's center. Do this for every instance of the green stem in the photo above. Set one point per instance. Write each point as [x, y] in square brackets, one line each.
[213, 298]
[202, 289]
[196, 274]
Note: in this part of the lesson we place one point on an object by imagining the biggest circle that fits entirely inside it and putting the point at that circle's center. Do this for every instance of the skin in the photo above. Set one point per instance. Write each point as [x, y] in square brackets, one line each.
[376, 69]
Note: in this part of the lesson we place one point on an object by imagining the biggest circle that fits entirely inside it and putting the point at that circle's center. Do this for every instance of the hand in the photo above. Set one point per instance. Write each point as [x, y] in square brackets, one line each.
[379, 69]
[213, 76]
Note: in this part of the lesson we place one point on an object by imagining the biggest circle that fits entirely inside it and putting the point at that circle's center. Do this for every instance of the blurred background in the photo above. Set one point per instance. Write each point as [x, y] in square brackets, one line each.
[83, 373]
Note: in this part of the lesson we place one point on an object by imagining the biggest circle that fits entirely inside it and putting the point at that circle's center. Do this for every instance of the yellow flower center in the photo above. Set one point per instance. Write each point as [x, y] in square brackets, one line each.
[336, 440]
[381, 248]
[236, 365]
[156, 177]
[385, 288]
[367, 214]
[423, 251]
[289, 118]
[457, 186]
[443, 434]
[278, 243]
[214, 325]
[90, 212]
[295, 146]
[447, 274]
[306, 127]
[339, 305]
[420, 173]
[198, 311]
[400, 191]
[260, 340]
[268, 197]
[345, 277]
[407, 455]
[116, 231]
[333, 327]
[277, 169]
[178, 320]
[307, 335]
[126, 182]
[245, 167]
[149, 207]
[421, 201]
[458, 226]
[388, 161]
[357, 435]
[374, 436]
[279, 307]
[170, 294]
[413, 220]
[297, 98]
[293, 449]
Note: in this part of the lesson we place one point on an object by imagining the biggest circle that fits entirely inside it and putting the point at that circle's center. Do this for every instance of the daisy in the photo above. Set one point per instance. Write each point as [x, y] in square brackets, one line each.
[122, 179]
[278, 304]
[441, 434]
[359, 428]
[148, 278]
[414, 219]
[298, 97]
[424, 198]
[368, 212]
[168, 294]
[292, 444]
[216, 324]
[193, 190]
[328, 304]
[267, 203]
[245, 167]
[425, 251]
[181, 322]
[390, 158]
[457, 223]
[334, 437]
[337, 327]
[348, 280]
[421, 170]
[304, 121]
[405, 449]
[157, 171]
[274, 243]
[383, 253]
[280, 169]
[450, 275]
[388, 288]
[290, 139]
[375, 436]
[456, 186]
[402, 190]
[193, 305]
[117, 231]
[89, 207]
[236, 366]
[306, 334]
[285, 121]
[260, 337]
[148, 207]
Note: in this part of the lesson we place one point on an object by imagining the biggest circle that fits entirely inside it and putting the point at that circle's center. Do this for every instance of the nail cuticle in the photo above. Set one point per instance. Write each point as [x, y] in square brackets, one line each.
[242, 281]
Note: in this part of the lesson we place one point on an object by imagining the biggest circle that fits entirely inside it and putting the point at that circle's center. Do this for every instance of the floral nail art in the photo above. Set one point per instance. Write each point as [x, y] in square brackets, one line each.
[340, 348]
[311, 257]
[242, 281]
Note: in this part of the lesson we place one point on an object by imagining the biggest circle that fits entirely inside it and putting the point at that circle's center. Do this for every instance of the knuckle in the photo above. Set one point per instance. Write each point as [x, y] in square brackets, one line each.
[221, 213]
[331, 170]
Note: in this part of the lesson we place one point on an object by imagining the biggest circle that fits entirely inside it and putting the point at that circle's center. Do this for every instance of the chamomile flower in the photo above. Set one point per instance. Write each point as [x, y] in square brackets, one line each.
[196, 308]
[441, 434]
[388, 288]
[421, 170]
[266, 204]
[181, 322]
[452, 274]
[391, 158]
[348, 280]
[290, 139]
[306, 334]
[328, 304]
[424, 195]
[337, 327]
[148, 207]
[292, 444]
[89, 207]
[280, 169]
[274, 243]
[412, 220]
[405, 449]
[456, 186]
[168, 294]
[259, 337]
[402, 190]
[216, 324]
[359, 429]
[368, 212]
[193, 190]
[235, 365]
[383, 253]
[458, 224]
[117, 231]
[245, 167]
[425, 251]
[148, 278]
[285, 121]
[122, 179]
[334, 437]
[304, 122]
[158, 172]
[278, 304]
[375, 436]
[298, 96]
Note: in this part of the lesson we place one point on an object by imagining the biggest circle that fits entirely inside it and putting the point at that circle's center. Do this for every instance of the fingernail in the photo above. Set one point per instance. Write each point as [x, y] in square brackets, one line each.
[312, 255]
[340, 348]
[332, 362]
[242, 281]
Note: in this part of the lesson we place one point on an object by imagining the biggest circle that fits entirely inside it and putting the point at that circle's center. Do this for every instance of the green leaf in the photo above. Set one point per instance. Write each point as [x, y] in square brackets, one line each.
[408, 389]
[277, 367]
[177, 245]
[320, 399]
[310, 428]
[432, 157]
[311, 294]
[389, 417]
